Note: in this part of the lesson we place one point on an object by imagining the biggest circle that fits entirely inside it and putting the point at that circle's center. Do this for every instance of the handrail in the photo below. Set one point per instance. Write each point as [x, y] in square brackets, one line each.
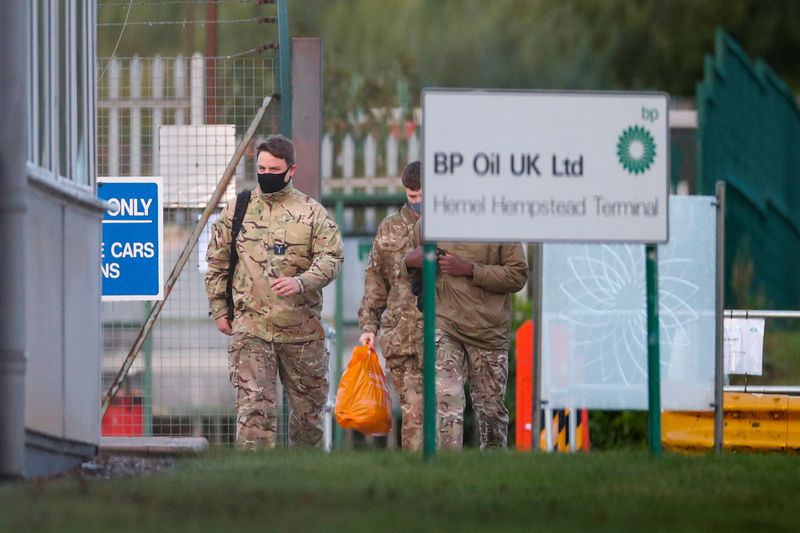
[764, 389]
[746, 313]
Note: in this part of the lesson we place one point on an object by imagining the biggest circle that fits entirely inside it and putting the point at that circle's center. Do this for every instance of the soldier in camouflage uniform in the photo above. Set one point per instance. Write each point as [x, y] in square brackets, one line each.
[388, 305]
[473, 319]
[288, 248]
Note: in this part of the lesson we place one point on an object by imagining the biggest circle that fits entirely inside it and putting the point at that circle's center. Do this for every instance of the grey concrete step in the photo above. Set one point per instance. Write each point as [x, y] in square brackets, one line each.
[153, 445]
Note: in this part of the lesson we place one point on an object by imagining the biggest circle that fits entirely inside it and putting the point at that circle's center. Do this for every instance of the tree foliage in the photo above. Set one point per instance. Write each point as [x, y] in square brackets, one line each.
[382, 53]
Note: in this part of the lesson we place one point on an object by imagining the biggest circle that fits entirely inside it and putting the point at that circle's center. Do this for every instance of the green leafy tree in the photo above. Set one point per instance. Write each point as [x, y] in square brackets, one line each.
[381, 54]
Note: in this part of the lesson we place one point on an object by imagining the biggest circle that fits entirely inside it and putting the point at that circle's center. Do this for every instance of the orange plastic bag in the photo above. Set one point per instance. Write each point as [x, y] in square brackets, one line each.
[362, 401]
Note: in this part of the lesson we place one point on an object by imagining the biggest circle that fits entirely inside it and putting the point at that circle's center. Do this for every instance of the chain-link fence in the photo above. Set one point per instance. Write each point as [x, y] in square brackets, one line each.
[181, 119]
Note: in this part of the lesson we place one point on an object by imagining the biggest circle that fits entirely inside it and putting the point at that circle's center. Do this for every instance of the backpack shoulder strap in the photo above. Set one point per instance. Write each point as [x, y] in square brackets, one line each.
[242, 199]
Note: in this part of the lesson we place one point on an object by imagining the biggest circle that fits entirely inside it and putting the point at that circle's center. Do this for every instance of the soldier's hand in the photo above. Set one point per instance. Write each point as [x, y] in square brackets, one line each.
[367, 339]
[224, 325]
[286, 286]
[414, 258]
[455, 266]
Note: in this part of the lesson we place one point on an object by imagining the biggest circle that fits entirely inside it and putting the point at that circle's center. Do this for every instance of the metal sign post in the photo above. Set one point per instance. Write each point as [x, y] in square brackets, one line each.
[719, 363]
[653, 359]
[429, 360]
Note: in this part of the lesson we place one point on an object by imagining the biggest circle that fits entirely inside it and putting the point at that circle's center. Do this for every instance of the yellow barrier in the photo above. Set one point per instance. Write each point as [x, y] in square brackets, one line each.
[752, 421]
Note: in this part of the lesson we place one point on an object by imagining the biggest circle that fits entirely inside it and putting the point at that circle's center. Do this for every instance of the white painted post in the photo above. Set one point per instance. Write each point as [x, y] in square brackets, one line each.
[370, 157]
[327, 157]
[348, 157]
[413, 148]
[391, 156]
[573, 429]
[180, 89]
[114, 75]
[198, 89]
[348, 170]
[158, 117]
[136, 117]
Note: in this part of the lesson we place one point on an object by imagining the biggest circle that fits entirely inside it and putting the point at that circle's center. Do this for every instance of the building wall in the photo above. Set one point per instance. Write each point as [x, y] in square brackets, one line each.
[63, 309]
[62, 248]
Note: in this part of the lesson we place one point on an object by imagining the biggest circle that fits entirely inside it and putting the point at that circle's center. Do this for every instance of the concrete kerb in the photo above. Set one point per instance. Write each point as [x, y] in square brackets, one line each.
[153, 445]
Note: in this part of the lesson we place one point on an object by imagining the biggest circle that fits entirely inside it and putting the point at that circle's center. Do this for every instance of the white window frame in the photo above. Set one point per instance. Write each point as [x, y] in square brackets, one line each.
[47, 101]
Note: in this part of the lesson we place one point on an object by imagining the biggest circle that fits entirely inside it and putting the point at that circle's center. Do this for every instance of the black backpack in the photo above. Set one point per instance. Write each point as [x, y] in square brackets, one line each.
[242, 199]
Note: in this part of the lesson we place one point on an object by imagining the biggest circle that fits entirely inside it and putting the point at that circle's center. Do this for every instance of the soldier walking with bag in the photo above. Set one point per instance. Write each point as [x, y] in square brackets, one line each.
[389, 306]
[265, 290]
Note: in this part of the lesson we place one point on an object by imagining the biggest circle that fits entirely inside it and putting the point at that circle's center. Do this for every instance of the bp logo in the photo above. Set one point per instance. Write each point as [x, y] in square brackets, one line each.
[636, 149]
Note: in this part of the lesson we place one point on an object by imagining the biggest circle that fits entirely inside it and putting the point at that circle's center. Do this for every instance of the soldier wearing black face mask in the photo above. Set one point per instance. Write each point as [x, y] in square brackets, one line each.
[288, 248]
[270, 182]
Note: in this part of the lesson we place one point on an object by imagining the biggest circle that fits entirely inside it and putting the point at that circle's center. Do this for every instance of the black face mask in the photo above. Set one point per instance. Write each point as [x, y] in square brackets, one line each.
[272, 182]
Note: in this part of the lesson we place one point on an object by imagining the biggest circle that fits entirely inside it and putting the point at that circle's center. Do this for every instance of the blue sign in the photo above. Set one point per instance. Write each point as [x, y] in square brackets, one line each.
[132, 248]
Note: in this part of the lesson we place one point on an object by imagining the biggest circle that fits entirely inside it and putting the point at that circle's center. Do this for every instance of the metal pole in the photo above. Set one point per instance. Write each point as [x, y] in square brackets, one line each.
[653, 357]
[284, 69]
[429, 359]
[147, 381]
[760, 313]
[548, 430]
[537, 257]
[338, 431]
[14, 63]
[307, 124]
[184, 257]
[211, 62]
[719, 362]
[573, 429]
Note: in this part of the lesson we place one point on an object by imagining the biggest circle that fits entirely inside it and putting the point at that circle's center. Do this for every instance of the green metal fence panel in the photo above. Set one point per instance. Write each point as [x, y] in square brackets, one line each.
[749, 137]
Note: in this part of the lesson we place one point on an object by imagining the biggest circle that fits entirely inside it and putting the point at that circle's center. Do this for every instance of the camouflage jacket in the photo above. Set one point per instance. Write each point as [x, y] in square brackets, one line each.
[388, 304]
[477, 310]
[283, 234]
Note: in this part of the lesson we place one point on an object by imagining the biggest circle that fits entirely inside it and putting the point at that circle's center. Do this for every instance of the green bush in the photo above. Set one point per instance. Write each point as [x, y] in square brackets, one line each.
[617, 429]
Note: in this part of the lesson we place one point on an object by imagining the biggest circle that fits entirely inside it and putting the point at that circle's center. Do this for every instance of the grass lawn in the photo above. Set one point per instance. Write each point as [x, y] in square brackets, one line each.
[384, 491]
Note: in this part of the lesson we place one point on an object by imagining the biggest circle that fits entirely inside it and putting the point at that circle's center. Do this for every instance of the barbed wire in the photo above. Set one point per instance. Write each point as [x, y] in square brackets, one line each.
[127, 14]
[158, 3]
[187, 22]
[258, 49]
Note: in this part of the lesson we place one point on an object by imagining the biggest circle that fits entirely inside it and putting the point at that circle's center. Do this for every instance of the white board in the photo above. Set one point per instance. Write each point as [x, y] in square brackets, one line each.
[545, 166]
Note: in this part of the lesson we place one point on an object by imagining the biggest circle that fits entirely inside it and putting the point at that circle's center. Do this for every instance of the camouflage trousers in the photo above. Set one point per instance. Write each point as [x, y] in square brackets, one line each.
[487, 371]
[254, 366]
[407, 380]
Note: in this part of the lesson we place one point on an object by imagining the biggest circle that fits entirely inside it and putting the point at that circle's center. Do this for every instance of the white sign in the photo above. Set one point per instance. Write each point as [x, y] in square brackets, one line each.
[744, 346]
[545, 166]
